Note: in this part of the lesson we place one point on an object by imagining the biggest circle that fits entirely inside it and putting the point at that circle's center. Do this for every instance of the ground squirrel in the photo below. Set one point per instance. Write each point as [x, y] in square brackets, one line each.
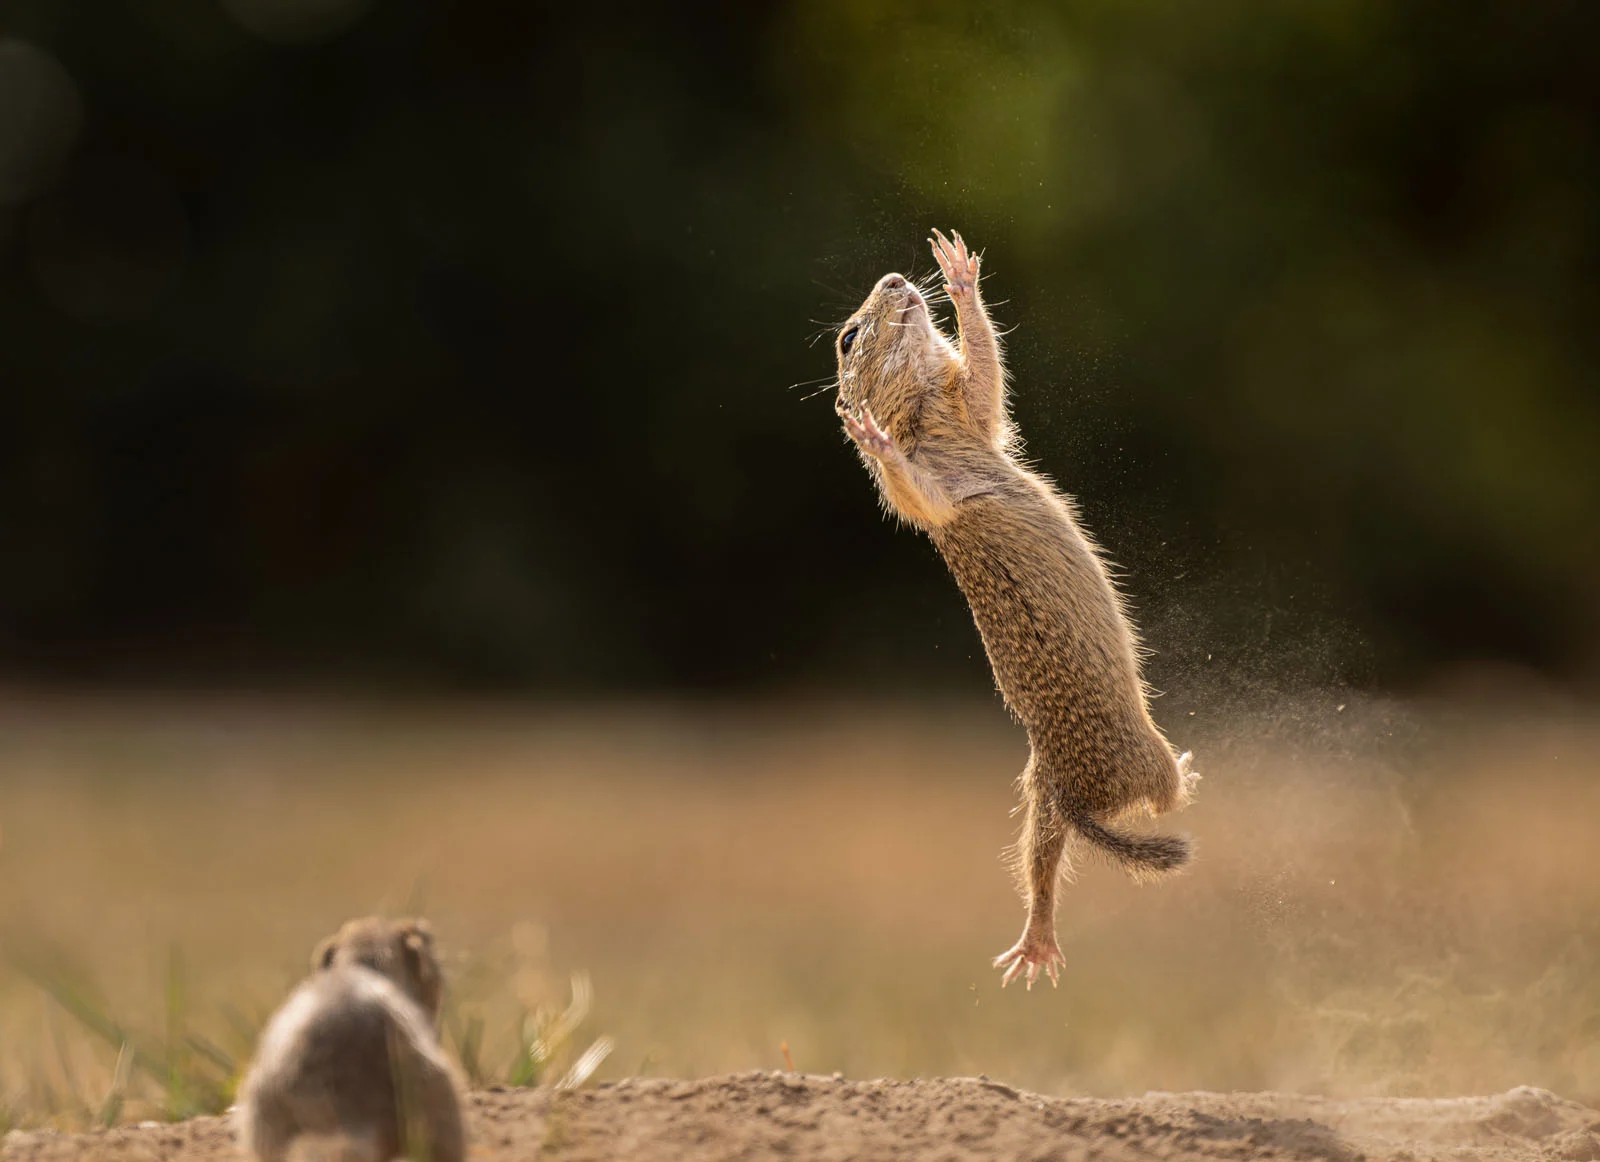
[350, 1067]
[932, 426]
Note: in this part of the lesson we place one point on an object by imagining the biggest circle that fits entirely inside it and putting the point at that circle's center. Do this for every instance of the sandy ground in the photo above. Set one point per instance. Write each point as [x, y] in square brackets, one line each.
[770, 1115]
[1389, 903]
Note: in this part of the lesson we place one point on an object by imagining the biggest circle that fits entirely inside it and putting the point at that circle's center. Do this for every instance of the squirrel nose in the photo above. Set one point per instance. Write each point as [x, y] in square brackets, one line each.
[893, 282]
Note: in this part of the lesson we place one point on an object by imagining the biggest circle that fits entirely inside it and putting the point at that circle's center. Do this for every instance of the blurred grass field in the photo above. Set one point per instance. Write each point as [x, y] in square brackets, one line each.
[1386, 900]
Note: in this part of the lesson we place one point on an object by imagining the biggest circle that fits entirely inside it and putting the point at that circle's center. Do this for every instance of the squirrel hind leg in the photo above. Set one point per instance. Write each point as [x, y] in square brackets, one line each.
[1039, 858]
[1168, 786]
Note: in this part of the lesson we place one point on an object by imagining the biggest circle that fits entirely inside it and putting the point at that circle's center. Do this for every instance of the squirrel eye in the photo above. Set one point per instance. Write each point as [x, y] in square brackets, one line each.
[847, 340]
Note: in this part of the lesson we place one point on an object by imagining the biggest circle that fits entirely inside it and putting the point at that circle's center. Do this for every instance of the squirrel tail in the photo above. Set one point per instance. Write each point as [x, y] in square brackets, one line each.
[1144, 856]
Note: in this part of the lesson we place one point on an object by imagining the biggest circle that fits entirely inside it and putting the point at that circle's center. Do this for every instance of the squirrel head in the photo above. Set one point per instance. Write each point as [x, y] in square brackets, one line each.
[401, 950]
[891, 355]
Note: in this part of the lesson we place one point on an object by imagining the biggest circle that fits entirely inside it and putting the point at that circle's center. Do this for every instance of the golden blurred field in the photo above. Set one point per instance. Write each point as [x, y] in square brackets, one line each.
[1388, 900]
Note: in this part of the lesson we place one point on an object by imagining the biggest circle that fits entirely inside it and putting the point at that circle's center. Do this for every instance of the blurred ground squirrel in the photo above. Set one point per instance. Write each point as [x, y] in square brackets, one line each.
[350, 1067]
[931, 422]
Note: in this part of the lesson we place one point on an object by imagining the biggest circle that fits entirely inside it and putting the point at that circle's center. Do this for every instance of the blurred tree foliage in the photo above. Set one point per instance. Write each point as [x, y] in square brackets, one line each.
[452, 343]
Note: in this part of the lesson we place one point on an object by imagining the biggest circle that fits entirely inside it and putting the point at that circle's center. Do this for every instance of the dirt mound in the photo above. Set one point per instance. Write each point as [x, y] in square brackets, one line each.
[754, 1115]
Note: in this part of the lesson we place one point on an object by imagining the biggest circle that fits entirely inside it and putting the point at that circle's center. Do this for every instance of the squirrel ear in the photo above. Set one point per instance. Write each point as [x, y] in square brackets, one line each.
[416, 947]
[416, 934]
[322, 958]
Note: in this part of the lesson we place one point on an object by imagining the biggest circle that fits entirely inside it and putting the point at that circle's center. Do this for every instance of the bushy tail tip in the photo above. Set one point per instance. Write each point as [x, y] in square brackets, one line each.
[1142, 855]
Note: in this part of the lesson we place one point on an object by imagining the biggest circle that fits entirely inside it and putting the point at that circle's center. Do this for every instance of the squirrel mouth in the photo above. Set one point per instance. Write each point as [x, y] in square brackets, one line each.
[913, 300]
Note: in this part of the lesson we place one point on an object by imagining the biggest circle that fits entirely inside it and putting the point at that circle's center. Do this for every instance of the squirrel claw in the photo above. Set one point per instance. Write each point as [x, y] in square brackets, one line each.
[960, 268]
[1029, 955]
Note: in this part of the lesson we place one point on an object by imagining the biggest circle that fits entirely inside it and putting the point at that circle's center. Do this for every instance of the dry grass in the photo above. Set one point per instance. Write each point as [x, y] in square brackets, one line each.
[1384, 903]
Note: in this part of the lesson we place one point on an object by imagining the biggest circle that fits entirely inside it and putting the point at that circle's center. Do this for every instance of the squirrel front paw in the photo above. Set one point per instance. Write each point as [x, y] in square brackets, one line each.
[869, 437]
[960, 269]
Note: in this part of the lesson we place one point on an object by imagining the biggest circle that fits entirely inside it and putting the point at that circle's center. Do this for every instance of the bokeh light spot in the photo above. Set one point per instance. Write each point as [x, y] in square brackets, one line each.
[41, 115]
[297, 21]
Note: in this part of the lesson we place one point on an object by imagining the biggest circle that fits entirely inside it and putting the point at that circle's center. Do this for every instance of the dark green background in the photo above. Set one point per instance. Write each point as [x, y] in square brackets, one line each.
[449, 344]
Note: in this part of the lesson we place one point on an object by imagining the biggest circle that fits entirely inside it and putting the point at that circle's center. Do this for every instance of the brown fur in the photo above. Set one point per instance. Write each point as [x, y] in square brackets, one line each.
[931, 422]
[350, 1067]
